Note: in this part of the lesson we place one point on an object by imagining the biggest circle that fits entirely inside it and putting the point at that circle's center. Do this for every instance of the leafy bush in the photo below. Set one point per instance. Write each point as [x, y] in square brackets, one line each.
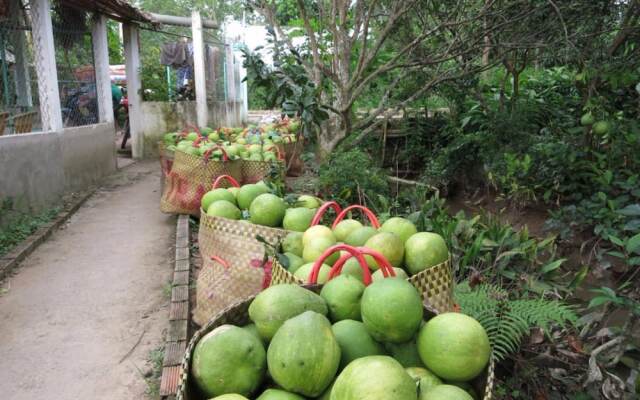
[352, 177]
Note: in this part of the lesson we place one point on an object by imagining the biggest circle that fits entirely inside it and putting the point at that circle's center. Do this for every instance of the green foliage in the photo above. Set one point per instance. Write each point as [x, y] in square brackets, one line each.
[507, 320]
[482, 247]
[351, 177]
[16, 226]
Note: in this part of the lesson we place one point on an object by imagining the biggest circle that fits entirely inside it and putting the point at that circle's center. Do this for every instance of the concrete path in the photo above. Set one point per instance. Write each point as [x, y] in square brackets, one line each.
[84, 311]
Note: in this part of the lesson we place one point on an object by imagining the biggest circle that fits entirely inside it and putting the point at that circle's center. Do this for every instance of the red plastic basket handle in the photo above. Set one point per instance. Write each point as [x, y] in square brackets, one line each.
[315, 270]
[385, 265]
[323, 209]
[370, 215]
[225, 156]
[337, 269]
[228, 178]
[221, 261]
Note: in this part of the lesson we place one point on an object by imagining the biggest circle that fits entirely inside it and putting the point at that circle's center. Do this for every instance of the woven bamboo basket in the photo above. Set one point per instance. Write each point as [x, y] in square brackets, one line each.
[255, 171]
[238, 314]
[246, 272]
[166, 162]
[190, 178]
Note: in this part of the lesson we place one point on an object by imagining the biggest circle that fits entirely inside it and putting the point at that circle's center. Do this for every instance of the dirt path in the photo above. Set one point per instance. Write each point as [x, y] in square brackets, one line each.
[84, 311]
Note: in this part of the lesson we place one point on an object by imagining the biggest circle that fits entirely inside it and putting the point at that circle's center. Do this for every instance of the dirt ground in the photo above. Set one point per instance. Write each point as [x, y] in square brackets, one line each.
[81, 315]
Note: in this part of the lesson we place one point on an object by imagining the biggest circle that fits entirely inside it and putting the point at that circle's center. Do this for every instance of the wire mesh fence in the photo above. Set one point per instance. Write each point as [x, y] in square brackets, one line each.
[75, 65]
[19, 110]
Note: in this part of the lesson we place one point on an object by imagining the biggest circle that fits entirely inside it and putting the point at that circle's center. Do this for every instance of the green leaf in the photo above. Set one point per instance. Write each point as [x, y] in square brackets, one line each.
[598, 301]
[632, 210]
[633, 244]
[552, 266]
[616, 240]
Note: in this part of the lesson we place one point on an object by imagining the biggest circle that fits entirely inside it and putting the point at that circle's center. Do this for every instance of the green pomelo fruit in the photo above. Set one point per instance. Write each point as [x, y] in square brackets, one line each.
[192, 136]
[344, 228]
[343, 295]
[234, 191]
[355, 342]
[400, 226]
[317, 231]
[225, 209]
[298, 219]
[352, 267]
[400, 273]
[454, 346]
[268, 210]
[445, 392]
[295, 262]
[292, 243]
[228, 360]
[587, 119]
[327, 393]
[466, 386]
[304, 271]
[389, 244]
[247, 194]
[374, 378]
[391, 310]
[424, 250]
[360, 236]
[277, 394]
[304, 355]
[405, 353]
[314, 248]
[278, 303]
[230, 396]
[601, 128]
[252, 329]
[217, 194]
[424, 378]
[308, 201]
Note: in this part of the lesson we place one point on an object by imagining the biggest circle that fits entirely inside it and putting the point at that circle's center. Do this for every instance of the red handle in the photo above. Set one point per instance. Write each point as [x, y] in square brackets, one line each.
[337, 269]
[228, 178]
[315, 271]
[225, 156]
[323, 209]
[221, 261]
[372, 217]
[385, 265]
[278, 152]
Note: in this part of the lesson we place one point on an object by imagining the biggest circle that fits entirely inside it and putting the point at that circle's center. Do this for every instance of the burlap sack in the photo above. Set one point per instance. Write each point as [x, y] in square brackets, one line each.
[236, 243]
[190, 178]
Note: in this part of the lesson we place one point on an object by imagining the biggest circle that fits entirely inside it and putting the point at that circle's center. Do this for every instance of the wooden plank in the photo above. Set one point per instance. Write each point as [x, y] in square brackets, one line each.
[169, 381]
[179, 310]
[182, 265]
[180, 278]
[174, 353]
[182, 253]
[180, 293]
[177, 331]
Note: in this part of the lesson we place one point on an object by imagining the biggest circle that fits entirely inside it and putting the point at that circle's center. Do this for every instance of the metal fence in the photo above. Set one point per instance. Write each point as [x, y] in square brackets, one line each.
[75, 64]
[19, 106]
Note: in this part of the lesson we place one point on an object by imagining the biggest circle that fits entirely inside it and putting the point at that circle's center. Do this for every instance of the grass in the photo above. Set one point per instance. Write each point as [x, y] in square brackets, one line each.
[17, 226]
[155, 358]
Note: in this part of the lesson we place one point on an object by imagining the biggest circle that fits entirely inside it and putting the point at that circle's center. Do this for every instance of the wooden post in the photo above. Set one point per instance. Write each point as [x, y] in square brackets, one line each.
[101, 62]
[199, 72]
[45, 61]
[132, 64]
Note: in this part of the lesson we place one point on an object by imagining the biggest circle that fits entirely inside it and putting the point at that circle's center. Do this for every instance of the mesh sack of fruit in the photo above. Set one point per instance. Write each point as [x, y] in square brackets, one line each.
[420, 257]
[191, 177]
[346, 340]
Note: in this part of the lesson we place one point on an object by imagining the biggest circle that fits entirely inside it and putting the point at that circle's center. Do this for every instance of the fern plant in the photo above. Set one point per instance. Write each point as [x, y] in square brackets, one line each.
[508, 321]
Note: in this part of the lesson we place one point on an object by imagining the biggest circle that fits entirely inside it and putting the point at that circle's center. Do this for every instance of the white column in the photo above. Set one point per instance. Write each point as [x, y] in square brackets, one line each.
[199, 73]
[21, 68]
[101, 62]
[45, 61]
[132, 61]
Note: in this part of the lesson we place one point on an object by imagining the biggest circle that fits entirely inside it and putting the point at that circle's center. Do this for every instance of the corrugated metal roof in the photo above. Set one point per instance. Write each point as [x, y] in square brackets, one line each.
[120, 10]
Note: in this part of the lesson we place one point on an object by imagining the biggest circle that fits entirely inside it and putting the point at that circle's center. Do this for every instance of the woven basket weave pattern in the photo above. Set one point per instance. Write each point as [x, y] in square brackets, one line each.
[235, 242]
[190, 178]
[255, 171]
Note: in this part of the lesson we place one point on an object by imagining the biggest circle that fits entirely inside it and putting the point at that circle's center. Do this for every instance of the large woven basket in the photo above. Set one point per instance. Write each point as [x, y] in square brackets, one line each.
[238, 314]
[190, 178]
[166, 162]
[234, 242]
[255, 171]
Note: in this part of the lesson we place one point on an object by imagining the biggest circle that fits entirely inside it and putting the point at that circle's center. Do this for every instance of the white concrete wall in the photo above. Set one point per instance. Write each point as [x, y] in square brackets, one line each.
[158, 118]
[38, 168]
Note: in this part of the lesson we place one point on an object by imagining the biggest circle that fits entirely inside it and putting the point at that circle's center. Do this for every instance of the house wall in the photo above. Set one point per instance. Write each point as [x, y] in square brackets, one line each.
[36, 169]
[158, 118]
